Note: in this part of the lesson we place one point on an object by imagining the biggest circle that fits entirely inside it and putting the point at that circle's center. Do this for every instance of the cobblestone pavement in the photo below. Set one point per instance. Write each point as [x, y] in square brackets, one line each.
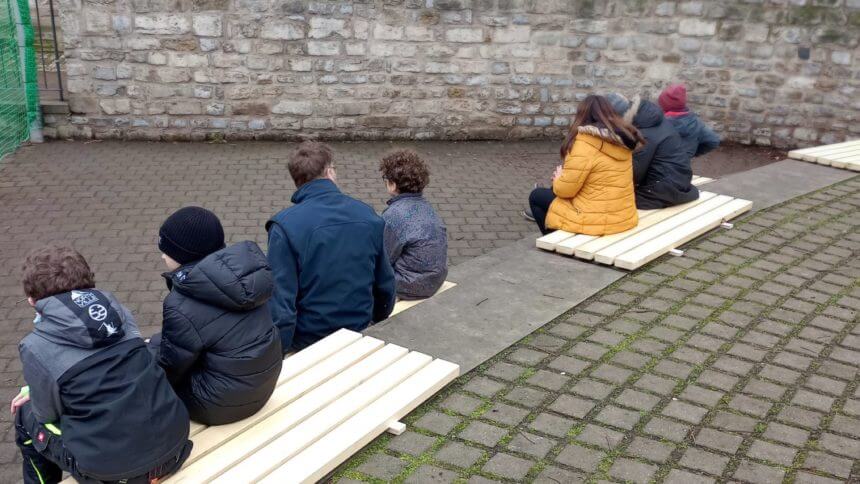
[108, 200]
[736, 362]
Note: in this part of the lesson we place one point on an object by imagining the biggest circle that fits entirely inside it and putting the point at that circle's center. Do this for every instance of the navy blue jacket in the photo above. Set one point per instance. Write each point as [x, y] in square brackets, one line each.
[329, 264]
[696, 137]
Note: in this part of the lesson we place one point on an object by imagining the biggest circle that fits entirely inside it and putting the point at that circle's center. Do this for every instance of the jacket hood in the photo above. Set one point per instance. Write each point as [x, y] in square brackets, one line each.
[236, 278]
[606, 141]
[648, 115]
[85, 318]
[685, 125]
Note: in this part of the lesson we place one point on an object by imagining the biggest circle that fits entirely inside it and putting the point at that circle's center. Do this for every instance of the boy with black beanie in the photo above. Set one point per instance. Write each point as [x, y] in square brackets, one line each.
[218, 345]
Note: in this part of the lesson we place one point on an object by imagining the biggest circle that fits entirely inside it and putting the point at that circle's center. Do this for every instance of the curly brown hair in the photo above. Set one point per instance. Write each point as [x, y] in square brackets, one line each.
[52, 270]
[406, 170]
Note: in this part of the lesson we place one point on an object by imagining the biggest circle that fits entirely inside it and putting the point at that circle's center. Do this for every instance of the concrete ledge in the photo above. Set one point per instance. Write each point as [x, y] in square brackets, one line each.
[54, 107]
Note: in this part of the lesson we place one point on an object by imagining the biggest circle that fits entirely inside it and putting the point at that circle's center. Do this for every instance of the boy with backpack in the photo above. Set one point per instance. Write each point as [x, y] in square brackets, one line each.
[97, 405]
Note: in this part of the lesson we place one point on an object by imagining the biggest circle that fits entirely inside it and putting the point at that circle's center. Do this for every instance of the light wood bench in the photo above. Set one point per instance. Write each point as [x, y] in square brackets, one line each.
[840, 155]
[401, 306]
[331, 399]
[658, 232]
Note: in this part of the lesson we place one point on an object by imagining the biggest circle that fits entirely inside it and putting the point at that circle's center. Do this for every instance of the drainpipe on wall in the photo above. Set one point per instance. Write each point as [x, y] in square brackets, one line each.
[36, 135]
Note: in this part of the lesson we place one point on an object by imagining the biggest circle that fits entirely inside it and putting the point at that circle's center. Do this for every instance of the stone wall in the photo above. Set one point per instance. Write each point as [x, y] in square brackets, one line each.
[770, 72]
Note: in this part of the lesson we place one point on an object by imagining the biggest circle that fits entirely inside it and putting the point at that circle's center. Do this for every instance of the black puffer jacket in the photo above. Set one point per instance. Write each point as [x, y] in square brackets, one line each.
[219, 347]
[661, 170]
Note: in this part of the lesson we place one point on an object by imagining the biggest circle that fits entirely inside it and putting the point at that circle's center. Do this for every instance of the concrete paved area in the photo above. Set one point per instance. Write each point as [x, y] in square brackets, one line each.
[736, 363]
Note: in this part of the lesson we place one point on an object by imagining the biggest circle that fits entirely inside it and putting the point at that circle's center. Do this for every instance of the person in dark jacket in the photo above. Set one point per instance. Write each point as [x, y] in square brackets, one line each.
[661, 170]
[327, 256]
[97, 405]
[696, 137]
[218, 345]
[415, 237]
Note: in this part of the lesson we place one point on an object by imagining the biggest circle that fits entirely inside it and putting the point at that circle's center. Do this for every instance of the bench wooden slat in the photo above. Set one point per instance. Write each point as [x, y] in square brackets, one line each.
[265, 430]
[550, 240]
[316, 461]
[213, 436]
[289, 444]
[608, 255]
[701, 180]
[587, 251]
[682, 234]
[401, 306]
[828, 151]
[803, 151]
[315, 353]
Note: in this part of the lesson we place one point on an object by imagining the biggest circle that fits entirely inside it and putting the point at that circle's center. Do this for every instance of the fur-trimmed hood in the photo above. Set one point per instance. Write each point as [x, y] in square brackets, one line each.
[601, 132]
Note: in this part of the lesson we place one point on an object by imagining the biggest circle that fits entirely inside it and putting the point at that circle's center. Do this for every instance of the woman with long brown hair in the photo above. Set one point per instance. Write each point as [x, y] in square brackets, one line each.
[592, 192]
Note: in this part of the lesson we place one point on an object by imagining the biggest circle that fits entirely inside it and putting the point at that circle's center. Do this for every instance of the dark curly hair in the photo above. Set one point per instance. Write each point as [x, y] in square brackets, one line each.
[406, 169]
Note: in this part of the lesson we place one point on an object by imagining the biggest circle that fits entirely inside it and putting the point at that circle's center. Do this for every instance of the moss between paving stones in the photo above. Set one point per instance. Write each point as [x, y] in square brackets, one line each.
[792, 241]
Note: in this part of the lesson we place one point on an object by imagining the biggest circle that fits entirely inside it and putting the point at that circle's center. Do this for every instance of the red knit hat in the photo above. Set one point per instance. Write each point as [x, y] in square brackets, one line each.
[673, 98]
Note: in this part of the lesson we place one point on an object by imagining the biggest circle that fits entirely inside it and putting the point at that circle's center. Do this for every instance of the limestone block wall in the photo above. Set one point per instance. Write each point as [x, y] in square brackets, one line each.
[770, 72]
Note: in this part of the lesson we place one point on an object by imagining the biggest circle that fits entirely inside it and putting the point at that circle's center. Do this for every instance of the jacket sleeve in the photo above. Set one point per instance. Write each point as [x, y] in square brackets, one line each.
[44, 389]
[393, 241]
[384, 290]
[708, 139]
[573, 175]
[180, 346]
[641, 163]
[285, 274]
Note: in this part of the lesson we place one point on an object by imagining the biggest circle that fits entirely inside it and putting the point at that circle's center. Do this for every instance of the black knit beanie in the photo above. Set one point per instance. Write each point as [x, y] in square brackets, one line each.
[190, 234]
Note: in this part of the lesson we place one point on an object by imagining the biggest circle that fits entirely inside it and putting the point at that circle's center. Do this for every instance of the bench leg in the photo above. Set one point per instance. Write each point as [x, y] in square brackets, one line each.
[396, 428]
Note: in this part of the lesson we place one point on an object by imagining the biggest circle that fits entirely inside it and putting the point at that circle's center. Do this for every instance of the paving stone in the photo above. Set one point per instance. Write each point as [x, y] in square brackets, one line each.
[484, 387]
[848, 447]
[780, 374]
[667, 429]
[590, 351]
[649, 449]
[747, 352]
[592, 388]
[778, 454]
[580, 457]
[632, 471]
[506, 465]
[733, 423]
[758, 473]
[733, 365]
[505, 371]
[607, 338]
[715, 439]
[505, 414]
[674, 369]
[752, 406]
[786, 434]
[678, 476]
[547, 343]
[680, 322]
[702, 396]
[638, 400]
[568, 331]
[800, 416]
[684, 411]
[690, 355]
[611, 373]
[625, 327]
[572, 406]
[618, 417]
[812, 400]
[569, 365]
[600, 436]
[552, 424]
[462, 404]
[826, 385]
[807, 478]
[459, 455]
[630, 359]
[704, 461]
[437, 422]
[655, 384]
[526, 356]
[548, 379]
[846, 425]
[820, 461]
[411, 443]
[482, 433]
[428, 473]
[774, 327]
[649, 346]
[556, 475]
[532, 444]
[526, 396]
[764, 389]
[382, 466]
[718, 379]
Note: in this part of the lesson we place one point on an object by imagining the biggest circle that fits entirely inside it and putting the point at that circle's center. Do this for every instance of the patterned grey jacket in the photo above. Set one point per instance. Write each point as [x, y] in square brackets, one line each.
[417, 244]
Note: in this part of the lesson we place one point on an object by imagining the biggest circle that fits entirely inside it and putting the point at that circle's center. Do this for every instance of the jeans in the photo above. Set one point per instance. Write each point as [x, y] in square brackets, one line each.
[539, 202]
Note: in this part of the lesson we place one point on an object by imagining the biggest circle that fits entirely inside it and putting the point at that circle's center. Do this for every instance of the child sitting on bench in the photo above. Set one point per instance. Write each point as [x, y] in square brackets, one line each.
[696, 137]
[218, 345]
[592, 192]
[415, 237]
[97, 405]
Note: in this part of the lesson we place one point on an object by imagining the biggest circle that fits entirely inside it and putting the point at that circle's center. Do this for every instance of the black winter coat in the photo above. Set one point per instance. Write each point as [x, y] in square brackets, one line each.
[219, 347]
[661, 170]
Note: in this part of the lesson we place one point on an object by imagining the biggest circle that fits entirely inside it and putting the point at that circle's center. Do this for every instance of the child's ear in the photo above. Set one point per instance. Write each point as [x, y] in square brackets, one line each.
[31, 301]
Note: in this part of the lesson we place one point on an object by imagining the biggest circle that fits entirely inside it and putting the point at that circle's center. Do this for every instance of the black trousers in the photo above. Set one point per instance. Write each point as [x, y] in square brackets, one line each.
[45, 456]
[539, 202]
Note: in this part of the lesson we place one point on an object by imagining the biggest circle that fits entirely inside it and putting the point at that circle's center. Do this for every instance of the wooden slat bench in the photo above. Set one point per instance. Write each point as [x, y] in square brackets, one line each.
[331, 399]
[401, 306]
[840, 155]
[658, 232]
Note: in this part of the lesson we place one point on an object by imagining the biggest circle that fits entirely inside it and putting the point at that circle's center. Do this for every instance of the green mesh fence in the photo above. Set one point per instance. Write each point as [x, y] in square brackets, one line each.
[19, 94]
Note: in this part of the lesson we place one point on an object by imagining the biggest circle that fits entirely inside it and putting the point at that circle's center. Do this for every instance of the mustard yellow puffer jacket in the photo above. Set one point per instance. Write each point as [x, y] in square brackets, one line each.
[595, 194]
